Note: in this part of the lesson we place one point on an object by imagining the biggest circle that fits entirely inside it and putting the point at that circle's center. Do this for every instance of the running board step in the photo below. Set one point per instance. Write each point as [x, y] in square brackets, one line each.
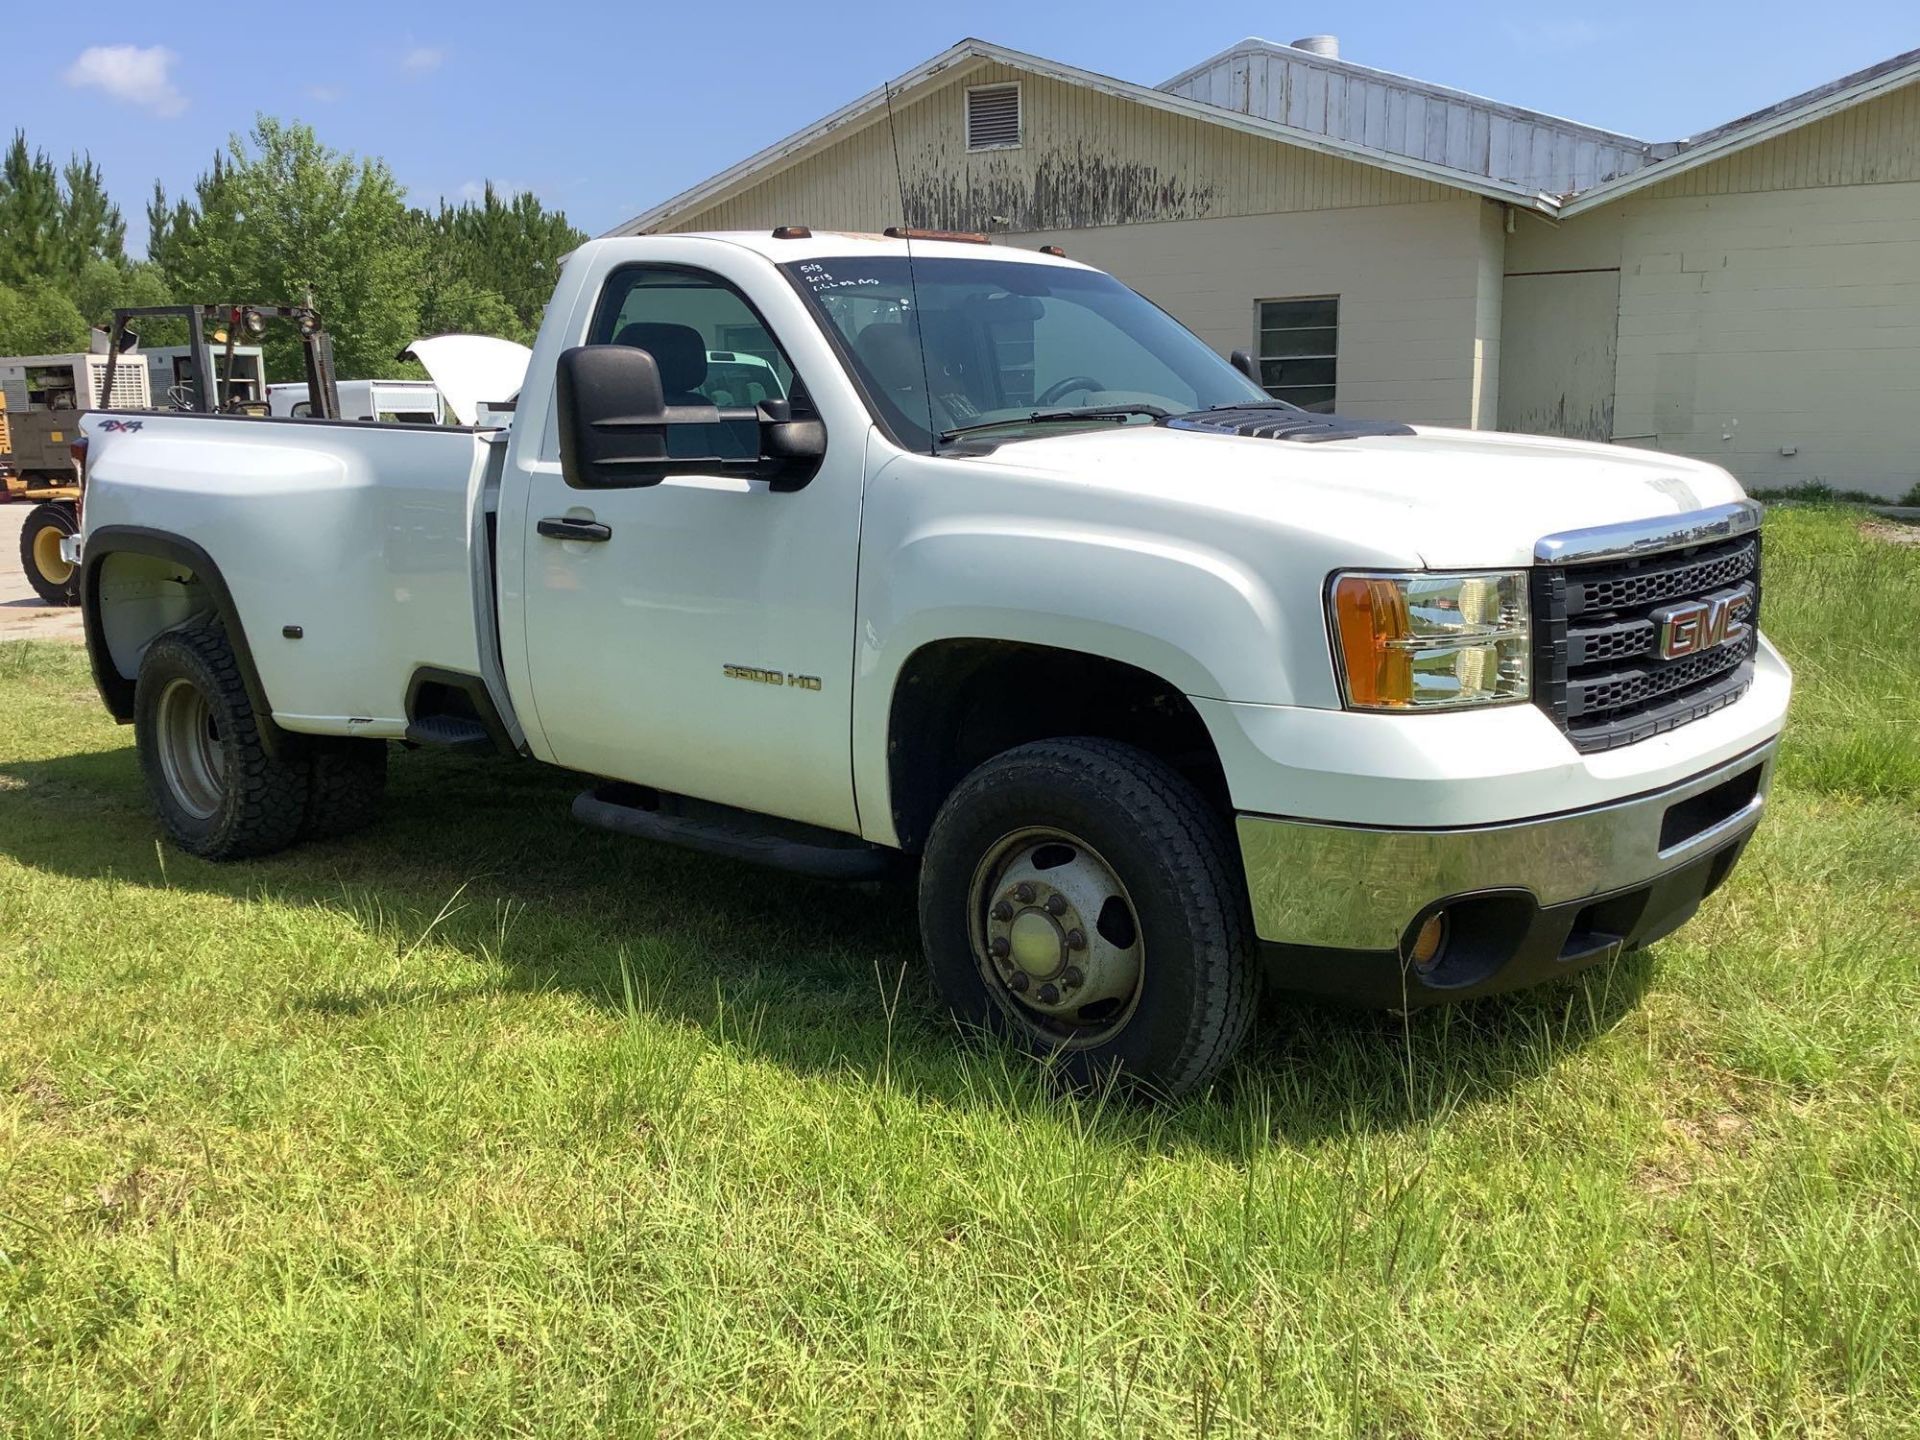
[452, 731]
[735, 834]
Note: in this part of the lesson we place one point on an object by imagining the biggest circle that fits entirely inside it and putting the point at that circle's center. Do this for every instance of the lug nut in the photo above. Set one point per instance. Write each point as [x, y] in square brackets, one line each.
[1056, 904]
[1023, 892]
[1001, 949]
[1072, 978]
[1003, 912]
[1076, 940]
[1018, 984]
[1048, 994]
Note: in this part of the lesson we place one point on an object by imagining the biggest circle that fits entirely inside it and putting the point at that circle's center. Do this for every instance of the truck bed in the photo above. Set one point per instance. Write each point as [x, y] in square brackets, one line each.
[356, 552]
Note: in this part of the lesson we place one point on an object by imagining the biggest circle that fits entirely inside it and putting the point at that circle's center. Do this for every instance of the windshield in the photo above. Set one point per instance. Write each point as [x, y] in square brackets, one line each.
[1006, 339]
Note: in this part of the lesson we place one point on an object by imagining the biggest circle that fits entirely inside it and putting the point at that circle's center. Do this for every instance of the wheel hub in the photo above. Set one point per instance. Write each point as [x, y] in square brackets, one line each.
[1058, 932]
[46, 557]
[192, 758]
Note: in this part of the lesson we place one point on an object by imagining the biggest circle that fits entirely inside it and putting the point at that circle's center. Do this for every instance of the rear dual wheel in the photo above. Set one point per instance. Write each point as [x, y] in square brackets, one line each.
[1082, 899]
[218, 791]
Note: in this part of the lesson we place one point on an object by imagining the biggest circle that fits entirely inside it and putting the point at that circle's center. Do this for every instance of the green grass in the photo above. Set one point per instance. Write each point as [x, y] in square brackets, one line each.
[483, 1124]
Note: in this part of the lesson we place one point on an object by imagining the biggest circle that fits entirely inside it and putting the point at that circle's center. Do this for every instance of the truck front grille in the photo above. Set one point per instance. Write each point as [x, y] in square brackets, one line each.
[1596, 663]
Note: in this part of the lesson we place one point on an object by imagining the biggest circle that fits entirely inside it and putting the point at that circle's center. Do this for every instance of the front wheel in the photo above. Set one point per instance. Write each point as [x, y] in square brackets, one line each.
[52, 578]
[1080, 897]
[217, 791]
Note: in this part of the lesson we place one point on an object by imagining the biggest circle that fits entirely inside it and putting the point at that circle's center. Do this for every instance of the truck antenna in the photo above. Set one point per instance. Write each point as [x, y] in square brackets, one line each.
[915, 324]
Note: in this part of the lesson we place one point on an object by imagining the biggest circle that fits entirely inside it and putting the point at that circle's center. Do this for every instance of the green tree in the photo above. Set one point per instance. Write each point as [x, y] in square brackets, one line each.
[54, 224]
[39, 320]
[282, 215]
[29, 216]
[91, 229]
[485, 257]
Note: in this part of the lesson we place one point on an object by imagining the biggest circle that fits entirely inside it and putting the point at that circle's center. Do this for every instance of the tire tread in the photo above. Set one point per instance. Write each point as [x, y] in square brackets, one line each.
[270, 799]
[345, 787]
[1196, 846]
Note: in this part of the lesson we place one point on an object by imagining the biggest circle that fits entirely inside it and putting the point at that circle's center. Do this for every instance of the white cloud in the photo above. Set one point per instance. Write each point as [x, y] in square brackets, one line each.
[136, 75]
[325, 94]
[422, 59]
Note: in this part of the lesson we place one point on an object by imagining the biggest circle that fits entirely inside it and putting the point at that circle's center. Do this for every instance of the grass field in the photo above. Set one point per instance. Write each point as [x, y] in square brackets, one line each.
[483, 1124]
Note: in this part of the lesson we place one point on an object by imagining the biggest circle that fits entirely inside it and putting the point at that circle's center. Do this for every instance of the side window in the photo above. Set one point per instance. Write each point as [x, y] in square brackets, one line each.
[1299, 350]
[712, 349]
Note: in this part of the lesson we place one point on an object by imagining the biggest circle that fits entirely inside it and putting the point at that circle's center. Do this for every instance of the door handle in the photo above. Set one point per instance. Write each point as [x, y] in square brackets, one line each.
[571, 527]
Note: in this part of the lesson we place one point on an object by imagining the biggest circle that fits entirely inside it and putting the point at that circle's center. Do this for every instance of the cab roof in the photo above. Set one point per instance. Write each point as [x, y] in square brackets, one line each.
[823, 243]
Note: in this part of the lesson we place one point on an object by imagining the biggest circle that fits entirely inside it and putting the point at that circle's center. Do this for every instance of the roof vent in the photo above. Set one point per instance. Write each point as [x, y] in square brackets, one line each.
[993, 117]
[1326, 45]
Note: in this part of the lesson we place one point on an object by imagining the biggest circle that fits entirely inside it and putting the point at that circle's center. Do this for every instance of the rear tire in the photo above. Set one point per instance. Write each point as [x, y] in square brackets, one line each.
[52, 579]
[217, 792]
[1073, 871]
[346, 783]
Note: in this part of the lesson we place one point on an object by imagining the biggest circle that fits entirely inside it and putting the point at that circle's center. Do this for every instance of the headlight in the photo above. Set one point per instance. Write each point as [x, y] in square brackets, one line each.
[1431, 642]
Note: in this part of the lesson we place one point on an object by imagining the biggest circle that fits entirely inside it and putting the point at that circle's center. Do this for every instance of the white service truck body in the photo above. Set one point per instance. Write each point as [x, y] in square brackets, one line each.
[1445, 712]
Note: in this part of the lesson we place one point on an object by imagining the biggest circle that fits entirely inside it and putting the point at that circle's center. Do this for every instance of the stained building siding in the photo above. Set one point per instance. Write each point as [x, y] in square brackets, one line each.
[1768, 311]
[1087, 159]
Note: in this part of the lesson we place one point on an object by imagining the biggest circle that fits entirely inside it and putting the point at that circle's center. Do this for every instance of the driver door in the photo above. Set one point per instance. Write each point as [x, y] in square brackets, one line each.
[702, 643]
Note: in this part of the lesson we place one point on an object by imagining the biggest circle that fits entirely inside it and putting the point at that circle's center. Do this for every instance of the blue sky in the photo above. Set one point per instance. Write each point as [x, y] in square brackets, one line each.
[603, 109]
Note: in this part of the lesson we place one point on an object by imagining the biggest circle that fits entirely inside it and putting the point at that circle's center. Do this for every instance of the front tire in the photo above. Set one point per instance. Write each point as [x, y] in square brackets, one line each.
[217, 792]
[1081, 898]
[52, 579]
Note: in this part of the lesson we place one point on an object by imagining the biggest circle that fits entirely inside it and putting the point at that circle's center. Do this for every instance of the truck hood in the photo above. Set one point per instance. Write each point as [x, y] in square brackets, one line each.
[472, 370]
[1436, 498]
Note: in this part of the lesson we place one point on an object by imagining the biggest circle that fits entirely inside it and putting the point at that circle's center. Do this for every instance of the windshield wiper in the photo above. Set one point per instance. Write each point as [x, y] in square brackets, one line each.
[1244, 405]
[1041, 417]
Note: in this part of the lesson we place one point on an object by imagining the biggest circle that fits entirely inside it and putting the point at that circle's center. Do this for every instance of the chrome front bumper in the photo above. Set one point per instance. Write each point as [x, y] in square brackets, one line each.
[1361, 888]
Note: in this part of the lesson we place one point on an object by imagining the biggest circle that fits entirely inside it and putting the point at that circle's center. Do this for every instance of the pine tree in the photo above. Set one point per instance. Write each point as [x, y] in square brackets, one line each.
[29, 215]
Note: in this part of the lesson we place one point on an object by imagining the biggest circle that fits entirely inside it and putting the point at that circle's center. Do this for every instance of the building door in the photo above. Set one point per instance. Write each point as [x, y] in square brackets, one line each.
[1559, 334]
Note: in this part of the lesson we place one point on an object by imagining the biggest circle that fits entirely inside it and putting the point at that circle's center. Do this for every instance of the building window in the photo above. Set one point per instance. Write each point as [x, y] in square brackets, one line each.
[1299, 347]
[993, 117]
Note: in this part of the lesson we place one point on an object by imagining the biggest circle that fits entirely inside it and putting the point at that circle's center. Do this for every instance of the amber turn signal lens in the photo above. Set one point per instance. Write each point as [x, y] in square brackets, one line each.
[1427, 944]
[1371, 613]
[1431, 641]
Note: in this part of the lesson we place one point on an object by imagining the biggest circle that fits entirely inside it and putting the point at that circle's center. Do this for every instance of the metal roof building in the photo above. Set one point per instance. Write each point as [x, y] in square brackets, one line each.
[1399, 248]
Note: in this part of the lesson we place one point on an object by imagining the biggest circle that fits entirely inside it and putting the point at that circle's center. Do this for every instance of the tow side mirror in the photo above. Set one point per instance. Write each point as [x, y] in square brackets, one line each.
[618, 432]
[1242, 360]
[613, 418]
[790, 449]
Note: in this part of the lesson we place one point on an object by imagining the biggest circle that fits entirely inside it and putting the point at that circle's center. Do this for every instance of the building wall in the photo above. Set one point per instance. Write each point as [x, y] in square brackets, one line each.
[1768, 311]
[1412, 284]
[1087, 159]
[1201, 219]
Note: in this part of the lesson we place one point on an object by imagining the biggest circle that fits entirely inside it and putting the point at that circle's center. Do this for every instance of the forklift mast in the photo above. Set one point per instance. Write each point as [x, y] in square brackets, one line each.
[316, 344]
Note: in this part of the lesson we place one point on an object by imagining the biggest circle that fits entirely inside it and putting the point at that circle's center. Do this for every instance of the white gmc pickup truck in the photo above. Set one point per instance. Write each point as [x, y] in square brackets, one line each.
[987, 566]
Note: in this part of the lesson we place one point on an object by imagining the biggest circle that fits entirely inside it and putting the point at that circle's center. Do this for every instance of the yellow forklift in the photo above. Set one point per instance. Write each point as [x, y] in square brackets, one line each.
[43, 398]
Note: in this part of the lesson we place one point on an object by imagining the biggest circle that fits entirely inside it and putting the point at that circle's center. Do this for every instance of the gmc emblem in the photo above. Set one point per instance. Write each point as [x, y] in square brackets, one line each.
[1694, 626]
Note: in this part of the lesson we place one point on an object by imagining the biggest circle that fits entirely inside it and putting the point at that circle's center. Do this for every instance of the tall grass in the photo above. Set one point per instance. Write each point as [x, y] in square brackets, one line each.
[484, 1124]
